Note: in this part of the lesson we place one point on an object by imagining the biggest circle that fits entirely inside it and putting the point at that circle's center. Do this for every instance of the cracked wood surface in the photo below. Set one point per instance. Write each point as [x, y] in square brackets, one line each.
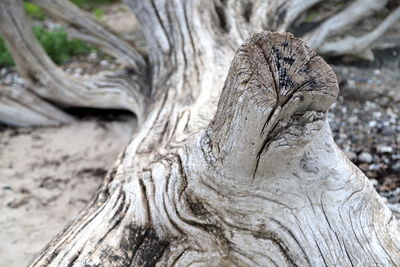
[254, 180]
[124, 89]
[178, 36]
[86, 28]
[241, 173]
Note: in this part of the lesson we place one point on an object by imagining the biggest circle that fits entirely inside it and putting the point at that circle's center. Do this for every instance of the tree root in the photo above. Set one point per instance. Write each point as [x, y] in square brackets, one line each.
[359, 46]
[86, 28]
[20, 107]
[337, 23]
[120, 90]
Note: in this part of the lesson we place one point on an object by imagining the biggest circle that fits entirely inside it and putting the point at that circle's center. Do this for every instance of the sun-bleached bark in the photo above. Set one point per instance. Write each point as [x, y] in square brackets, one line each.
[20, 107]
[132, 89]
[241, 173]
[126, 89]
[351, 14]
[360, 46]
[85, 28]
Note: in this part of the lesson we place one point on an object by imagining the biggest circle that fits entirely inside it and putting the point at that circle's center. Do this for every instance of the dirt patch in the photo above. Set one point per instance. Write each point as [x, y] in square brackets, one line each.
[47, 175]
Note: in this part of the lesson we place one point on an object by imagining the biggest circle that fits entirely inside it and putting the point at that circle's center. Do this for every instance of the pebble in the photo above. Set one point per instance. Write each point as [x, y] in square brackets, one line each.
[51, 26]
[372, 124]
[78, 71]
[396, 167]
[374, 182]
[365, 157]
[384, 149]
[3, 71]
[377, 114]
[104, 63]
[92, 56]
[374, 167]
[388, 131]
[377, 72]
[8, 79]
[18, 81]
[353, 119]
[351, 84]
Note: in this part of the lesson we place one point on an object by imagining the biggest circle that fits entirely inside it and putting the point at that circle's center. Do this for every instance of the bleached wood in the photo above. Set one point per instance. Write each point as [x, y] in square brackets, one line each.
[231, 22]
[360, 45]
[19, 107]
[124, 89]
[85, 27]
[292, 10]
[257, 181]
[353, 13]
[241, 173]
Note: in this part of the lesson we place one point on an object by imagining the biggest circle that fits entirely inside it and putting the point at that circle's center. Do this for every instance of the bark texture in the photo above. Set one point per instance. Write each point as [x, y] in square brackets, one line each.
[221, 24]
[122, 90]
[241, 173]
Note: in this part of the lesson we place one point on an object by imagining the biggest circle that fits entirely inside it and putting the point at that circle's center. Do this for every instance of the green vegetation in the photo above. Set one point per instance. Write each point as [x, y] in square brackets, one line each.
[90, 5]
[55, 43]
[98, 13]
[311, 17]
[5, 57]
[34, 11]
[58, 46]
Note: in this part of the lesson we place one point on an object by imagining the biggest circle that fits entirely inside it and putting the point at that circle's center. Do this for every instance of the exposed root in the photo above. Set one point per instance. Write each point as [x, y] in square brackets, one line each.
[337, 23]
[19, 107]
[359, 45]
[123, 90]
[89, 30]
[292, 10]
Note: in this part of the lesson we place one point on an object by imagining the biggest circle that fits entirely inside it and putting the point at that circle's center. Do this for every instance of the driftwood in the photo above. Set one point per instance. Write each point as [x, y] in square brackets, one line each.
[241, 173]
[132, 89]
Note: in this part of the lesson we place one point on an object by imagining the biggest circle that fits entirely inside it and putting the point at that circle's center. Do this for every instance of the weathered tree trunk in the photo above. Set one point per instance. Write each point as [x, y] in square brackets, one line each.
[232, 22]
[124, 89]
[244, 173]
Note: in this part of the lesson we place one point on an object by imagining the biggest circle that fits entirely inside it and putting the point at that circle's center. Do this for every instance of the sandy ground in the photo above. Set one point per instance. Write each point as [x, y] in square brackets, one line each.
[47, 175]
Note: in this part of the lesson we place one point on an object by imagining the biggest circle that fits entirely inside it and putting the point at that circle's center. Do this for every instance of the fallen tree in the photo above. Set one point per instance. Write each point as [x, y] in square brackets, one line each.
[238, 173]
[132, 88]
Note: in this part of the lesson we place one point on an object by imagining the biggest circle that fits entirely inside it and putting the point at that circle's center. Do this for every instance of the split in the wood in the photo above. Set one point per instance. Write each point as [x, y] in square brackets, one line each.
[263, 183]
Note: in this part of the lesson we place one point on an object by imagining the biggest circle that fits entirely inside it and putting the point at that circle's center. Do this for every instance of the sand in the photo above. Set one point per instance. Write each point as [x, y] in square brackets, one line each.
[47, 175]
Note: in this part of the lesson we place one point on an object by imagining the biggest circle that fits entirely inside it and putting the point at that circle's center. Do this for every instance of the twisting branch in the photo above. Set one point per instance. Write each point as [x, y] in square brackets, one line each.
[86, 28]
[258, 182]
[290, 10]
[20, 107]
[351, 14]
[125, 90]
[360, 45]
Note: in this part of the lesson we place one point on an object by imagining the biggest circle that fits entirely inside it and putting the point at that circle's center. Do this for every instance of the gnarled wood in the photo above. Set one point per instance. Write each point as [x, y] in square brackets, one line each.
[89, 30]
[124, 89]
[261, 183]
[360, 45]
[350, 15]
[20, 107]
[223, 24]
[241, 173]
